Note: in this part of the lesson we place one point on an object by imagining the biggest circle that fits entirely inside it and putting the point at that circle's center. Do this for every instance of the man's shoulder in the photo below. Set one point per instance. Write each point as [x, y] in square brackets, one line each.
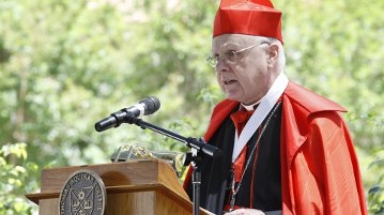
[226, 103]
[224, 107]
[302, 98]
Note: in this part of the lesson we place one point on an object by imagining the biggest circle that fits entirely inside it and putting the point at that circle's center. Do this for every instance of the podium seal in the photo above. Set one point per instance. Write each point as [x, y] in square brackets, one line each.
[83, 194]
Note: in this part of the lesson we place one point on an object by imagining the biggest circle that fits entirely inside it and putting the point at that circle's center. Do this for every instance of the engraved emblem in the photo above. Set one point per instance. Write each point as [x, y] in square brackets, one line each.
[83, 194]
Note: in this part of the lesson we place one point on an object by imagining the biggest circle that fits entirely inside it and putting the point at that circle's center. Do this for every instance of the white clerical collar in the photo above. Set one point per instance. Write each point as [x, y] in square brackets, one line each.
[251, 106]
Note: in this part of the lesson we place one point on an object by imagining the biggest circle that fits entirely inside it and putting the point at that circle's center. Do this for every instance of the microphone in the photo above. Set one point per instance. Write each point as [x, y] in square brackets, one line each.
[146, 106]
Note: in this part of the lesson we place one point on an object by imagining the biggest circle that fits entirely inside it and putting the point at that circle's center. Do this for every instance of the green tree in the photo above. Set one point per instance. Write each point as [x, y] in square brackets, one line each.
[16, 178]
[66, 64]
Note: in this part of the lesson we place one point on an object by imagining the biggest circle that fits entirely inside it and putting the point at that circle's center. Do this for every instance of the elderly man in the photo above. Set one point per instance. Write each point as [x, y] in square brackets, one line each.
[286, 150]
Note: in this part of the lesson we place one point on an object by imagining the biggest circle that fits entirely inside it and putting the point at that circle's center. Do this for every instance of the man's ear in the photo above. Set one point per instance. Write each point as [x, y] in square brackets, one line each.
[273, 53]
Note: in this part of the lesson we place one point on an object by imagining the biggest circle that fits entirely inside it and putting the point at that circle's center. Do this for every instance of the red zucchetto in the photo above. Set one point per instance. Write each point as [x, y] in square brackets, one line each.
[251, 17]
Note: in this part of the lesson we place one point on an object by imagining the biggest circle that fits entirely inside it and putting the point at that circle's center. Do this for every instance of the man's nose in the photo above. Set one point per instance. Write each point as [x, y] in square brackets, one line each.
[222, 65]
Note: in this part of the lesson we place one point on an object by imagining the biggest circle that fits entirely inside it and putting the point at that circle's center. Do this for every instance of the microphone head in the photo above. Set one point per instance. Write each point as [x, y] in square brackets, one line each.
[151, 103]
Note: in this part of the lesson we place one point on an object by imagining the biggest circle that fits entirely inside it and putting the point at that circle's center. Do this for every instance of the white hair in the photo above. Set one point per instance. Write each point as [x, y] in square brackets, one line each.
[281, 53]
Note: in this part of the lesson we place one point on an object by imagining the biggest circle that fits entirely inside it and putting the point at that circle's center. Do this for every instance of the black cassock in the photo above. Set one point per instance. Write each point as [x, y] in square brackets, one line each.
[216, 173]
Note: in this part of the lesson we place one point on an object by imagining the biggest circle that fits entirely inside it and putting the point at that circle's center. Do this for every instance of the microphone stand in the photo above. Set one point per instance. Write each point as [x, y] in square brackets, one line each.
[196, 181]
[197, 146]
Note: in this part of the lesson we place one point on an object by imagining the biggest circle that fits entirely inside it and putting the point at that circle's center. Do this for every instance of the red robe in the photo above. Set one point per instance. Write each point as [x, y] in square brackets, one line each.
[319, 167]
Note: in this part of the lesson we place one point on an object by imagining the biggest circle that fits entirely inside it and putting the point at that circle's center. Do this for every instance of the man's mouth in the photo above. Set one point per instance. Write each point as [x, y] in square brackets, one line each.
[229, 82]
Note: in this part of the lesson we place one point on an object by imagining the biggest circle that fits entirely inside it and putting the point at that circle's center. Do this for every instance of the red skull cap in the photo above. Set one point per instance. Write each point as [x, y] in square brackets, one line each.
[251, 17]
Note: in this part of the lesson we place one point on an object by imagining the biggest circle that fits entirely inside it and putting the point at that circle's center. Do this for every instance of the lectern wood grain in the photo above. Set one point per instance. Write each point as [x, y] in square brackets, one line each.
[140, 187]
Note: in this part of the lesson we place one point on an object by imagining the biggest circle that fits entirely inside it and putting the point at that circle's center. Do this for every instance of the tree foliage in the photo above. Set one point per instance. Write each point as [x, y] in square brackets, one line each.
[16, 177]
[66, 64]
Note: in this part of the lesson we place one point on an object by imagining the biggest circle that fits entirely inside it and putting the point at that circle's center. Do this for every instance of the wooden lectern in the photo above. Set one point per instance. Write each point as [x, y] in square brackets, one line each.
[137, 187]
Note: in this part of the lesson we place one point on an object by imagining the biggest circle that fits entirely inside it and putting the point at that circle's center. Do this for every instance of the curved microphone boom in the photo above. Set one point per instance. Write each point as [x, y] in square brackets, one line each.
[146, 106]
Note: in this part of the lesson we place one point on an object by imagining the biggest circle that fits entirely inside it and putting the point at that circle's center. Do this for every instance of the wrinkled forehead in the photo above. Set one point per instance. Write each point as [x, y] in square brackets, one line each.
[233, 41]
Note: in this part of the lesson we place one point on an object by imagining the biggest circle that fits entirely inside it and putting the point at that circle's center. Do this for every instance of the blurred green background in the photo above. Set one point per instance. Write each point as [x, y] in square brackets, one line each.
[66, 64]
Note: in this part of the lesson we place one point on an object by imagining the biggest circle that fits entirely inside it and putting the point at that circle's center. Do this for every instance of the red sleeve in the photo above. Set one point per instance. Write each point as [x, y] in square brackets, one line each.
[324, 174]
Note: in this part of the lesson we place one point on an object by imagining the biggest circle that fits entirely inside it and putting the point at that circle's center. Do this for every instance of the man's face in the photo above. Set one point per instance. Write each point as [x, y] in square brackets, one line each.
[249, 77]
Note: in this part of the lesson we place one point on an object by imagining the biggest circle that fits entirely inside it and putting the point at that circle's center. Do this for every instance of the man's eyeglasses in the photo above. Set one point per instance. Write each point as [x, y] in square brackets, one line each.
[230, 56]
